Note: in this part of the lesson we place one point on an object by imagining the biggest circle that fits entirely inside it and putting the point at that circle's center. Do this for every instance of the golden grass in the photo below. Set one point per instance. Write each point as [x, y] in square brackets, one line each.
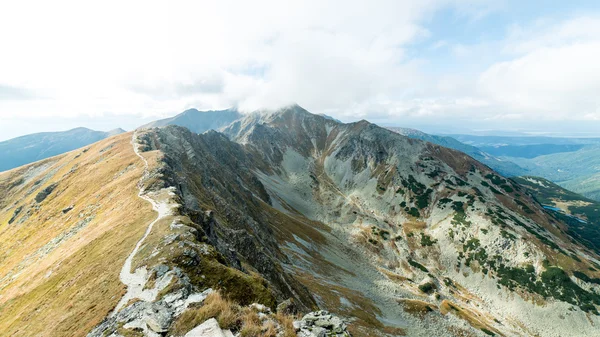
[215, 306]
[69, 289]
[287, 324]
[231, 315]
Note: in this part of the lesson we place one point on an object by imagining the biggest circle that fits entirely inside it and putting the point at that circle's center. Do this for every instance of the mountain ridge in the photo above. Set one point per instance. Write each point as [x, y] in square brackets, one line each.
[198, 121]
[399, 235]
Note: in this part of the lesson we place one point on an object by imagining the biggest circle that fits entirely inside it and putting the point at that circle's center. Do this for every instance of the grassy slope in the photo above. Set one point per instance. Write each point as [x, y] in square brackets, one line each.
[68, 289]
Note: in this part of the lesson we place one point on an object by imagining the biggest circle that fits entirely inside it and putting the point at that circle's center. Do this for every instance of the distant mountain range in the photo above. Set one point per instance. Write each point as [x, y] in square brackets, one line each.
[506, 168]
[199, 121]
[30, 148]
[578, 170]
[574, 163]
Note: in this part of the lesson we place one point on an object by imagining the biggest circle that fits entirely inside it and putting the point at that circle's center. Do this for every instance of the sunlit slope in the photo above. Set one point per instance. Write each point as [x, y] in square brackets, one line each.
[66, 226]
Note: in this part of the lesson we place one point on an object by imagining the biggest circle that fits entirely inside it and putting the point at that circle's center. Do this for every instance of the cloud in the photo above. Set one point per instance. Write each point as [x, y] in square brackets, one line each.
[154, 57]
[8, 92]
[350, 59]
[554, 74]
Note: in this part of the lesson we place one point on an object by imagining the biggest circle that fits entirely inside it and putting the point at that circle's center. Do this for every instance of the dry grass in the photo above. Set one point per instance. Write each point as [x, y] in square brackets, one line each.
[68, 290]
[251, 324]
[287, 324]
[232, 316]
[215, 306]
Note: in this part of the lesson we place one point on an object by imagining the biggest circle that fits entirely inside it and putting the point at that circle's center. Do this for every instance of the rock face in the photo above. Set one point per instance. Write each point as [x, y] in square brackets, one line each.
[321, 324]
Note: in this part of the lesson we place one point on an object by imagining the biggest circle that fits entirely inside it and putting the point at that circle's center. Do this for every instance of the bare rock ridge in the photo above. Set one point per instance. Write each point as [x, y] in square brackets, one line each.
[199, 121]
[293, 224]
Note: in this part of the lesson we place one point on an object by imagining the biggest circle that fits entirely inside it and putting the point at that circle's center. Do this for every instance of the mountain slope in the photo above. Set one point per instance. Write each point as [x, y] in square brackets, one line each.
[66, 225]
[504, 167]
[30, 148]
[399, 236]
[417, 217]
[582, 214]
[199, 121]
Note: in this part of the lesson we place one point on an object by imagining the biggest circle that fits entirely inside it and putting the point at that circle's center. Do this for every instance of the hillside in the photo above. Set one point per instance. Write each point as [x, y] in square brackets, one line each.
[30, 148]
[582, 214]
[198, 121]
[395, 235]
[504, 167]
[66, 226]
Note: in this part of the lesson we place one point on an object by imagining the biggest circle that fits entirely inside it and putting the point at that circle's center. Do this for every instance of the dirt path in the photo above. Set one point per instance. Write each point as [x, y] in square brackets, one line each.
[136, 281]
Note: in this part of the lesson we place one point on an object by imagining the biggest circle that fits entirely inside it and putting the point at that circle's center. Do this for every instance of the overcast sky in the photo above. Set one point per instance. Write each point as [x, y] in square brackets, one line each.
[439, 65]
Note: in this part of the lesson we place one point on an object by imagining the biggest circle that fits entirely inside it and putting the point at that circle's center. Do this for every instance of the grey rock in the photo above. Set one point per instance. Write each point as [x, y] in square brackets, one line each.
[161, 270]
[321, 323]
[45, 193]
[158, 317]
[209, 328]
[287, 307]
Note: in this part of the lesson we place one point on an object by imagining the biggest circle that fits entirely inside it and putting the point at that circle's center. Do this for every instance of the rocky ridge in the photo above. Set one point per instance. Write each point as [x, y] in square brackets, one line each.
[395, 235]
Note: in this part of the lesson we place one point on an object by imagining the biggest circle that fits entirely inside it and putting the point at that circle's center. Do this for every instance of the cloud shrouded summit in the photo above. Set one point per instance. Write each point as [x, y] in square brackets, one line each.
[389, 61]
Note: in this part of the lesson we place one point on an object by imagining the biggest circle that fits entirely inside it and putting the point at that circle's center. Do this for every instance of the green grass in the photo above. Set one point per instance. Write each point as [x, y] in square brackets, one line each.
[417, 265]
[426, 240]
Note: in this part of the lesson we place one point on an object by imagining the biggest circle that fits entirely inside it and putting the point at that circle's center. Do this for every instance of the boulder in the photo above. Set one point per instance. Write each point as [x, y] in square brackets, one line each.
[321, 323]
[158, 317]
[209, 328]
[45, 193]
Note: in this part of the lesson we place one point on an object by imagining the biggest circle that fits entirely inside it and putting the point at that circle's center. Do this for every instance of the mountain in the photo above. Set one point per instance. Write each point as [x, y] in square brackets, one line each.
[582, 214]
[157, 232]
[199, 121]
[30, 148]
[504, 167]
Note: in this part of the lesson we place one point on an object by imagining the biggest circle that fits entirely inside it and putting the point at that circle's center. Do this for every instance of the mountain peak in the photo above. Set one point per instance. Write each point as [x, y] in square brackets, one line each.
[199, 121]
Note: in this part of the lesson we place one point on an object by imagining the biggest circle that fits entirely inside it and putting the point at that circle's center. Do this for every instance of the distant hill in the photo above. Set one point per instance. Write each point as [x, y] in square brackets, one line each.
[199, 121]
[30, 148]
[530, 151]
[578, 171]
[506, 168]
[483, 141]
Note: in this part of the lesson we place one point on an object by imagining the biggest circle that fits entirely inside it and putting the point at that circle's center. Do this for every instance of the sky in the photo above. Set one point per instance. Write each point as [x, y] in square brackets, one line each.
[443, 66]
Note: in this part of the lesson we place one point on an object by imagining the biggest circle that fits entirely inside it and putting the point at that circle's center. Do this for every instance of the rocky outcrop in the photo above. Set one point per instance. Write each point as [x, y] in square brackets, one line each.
[45, 193]
[152, 318]
[321, 324]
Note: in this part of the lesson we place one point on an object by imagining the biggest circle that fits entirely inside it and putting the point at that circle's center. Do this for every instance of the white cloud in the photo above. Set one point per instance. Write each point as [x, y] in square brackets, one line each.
[155, 57]
[352, 59]
[553, 74]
